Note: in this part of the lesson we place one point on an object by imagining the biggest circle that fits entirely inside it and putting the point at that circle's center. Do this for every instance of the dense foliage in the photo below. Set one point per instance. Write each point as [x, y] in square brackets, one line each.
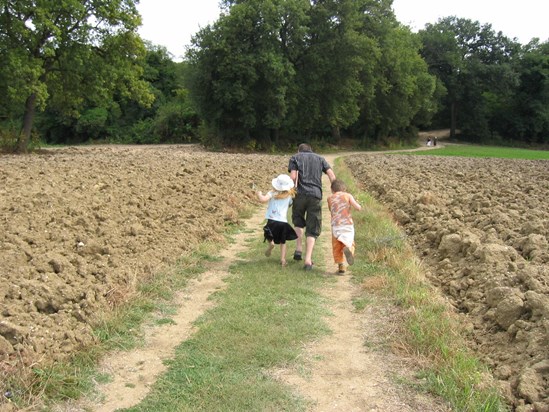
[497, 90]
[271, 70]
[266, 74]
[68, 56]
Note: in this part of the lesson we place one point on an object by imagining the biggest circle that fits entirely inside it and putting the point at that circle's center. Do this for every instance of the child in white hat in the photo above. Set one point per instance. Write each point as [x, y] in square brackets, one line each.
[278, 230]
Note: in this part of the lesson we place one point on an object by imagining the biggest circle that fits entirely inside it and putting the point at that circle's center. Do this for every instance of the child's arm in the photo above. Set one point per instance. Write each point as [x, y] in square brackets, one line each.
[263, 198]
[354, 203]
[330, 204]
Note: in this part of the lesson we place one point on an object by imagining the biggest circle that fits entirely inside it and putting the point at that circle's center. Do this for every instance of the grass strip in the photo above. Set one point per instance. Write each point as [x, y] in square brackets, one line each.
[483, 151]
[260, 322]
[430, 332]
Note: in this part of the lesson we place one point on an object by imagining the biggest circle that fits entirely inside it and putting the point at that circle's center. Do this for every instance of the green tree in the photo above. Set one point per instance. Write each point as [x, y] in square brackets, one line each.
[404, 88]
[528, 116]
[62, 54]
[397, 89]
[135, 124]
[241, 71]
[308, 70]
[475, 65]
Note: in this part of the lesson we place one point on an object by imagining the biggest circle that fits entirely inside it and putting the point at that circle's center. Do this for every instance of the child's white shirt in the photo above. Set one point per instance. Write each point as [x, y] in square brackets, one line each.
[277, 209]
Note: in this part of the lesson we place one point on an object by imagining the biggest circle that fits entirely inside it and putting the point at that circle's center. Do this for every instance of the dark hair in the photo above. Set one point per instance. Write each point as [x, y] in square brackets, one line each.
[304, 147]
[338, 186]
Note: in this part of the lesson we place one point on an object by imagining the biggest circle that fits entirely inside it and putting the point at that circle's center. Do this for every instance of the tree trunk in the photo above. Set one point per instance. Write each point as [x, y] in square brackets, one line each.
[28, 120]
[275, 134]
[336, 135]
[453, 120]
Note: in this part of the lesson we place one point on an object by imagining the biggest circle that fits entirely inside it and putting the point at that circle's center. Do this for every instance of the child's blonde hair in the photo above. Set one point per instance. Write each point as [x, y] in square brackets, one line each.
[287, 193]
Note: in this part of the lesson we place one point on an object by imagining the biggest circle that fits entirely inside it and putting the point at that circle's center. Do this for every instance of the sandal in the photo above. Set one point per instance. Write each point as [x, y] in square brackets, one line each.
[349, 255]
[308, 267]
[297, 255]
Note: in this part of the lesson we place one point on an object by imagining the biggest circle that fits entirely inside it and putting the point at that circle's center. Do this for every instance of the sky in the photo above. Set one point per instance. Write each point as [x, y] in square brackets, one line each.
[171, 23]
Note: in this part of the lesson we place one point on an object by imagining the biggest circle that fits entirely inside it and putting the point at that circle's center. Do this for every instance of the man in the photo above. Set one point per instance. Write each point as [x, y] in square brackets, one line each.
[306, 170]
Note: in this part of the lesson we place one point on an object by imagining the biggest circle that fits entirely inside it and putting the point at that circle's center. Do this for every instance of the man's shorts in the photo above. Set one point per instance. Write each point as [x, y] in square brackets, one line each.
[307, 213]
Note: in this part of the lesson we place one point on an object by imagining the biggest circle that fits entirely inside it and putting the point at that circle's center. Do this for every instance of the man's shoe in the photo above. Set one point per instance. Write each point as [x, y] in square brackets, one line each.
[297, 255]
[349, 255]
[341, 268]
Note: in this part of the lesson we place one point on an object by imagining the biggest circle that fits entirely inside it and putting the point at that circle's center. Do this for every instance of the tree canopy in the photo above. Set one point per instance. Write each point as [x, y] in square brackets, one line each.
[487, 77]
[265, 75]
[65, 54]
[298, 69]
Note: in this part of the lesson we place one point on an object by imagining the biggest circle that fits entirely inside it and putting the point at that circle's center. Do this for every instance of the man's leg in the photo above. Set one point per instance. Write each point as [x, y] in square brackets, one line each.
[298, 219]
[299, 240]
[313, 223]
[309, 246]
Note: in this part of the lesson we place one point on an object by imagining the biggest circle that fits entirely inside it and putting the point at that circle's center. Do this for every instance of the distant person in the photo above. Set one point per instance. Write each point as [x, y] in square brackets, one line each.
[306, 169]
[343, 231]
[278, 230]
[429, 141]
[435, 141]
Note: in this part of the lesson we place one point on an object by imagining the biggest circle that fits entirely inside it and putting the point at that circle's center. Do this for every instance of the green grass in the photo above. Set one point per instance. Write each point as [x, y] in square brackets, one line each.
[260, 323]
[484, 151]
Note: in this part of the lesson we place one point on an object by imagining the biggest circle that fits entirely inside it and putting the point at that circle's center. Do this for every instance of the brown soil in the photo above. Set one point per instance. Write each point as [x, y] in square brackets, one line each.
[81, 226]
[481, 227]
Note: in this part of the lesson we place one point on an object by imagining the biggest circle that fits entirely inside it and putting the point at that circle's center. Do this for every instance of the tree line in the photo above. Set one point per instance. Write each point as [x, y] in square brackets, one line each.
[265, 75]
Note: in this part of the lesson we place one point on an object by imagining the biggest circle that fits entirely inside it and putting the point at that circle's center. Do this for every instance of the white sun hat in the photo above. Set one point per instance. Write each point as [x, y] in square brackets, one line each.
[283, 183]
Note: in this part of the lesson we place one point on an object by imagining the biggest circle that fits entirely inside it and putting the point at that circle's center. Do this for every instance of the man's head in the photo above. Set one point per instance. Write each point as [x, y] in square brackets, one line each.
[304, 147]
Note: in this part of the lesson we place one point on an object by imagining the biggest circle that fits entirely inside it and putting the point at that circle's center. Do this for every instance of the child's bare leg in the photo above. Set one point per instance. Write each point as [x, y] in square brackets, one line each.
[283, 254]
[269, 248]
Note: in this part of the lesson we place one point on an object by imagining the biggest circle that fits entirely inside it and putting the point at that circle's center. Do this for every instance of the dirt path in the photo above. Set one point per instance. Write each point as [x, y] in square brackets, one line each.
[348, 370]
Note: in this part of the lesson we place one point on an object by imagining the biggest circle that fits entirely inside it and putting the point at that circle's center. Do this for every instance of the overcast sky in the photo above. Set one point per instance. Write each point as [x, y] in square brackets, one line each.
[171, 23]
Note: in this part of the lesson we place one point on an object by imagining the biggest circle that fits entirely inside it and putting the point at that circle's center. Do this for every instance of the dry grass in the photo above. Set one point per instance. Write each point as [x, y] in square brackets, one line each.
[374, 283]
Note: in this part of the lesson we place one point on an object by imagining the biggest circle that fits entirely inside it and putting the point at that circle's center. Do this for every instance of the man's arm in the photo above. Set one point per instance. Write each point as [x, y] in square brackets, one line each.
[331, 175]
[293, 175]
[292, 169]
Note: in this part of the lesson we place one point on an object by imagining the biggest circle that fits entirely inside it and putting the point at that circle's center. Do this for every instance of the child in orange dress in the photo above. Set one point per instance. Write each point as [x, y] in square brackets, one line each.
[343, 231]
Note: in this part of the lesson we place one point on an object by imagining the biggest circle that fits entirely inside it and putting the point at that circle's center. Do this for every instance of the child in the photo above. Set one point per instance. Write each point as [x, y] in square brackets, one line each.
[278, 230]
[343, 231]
